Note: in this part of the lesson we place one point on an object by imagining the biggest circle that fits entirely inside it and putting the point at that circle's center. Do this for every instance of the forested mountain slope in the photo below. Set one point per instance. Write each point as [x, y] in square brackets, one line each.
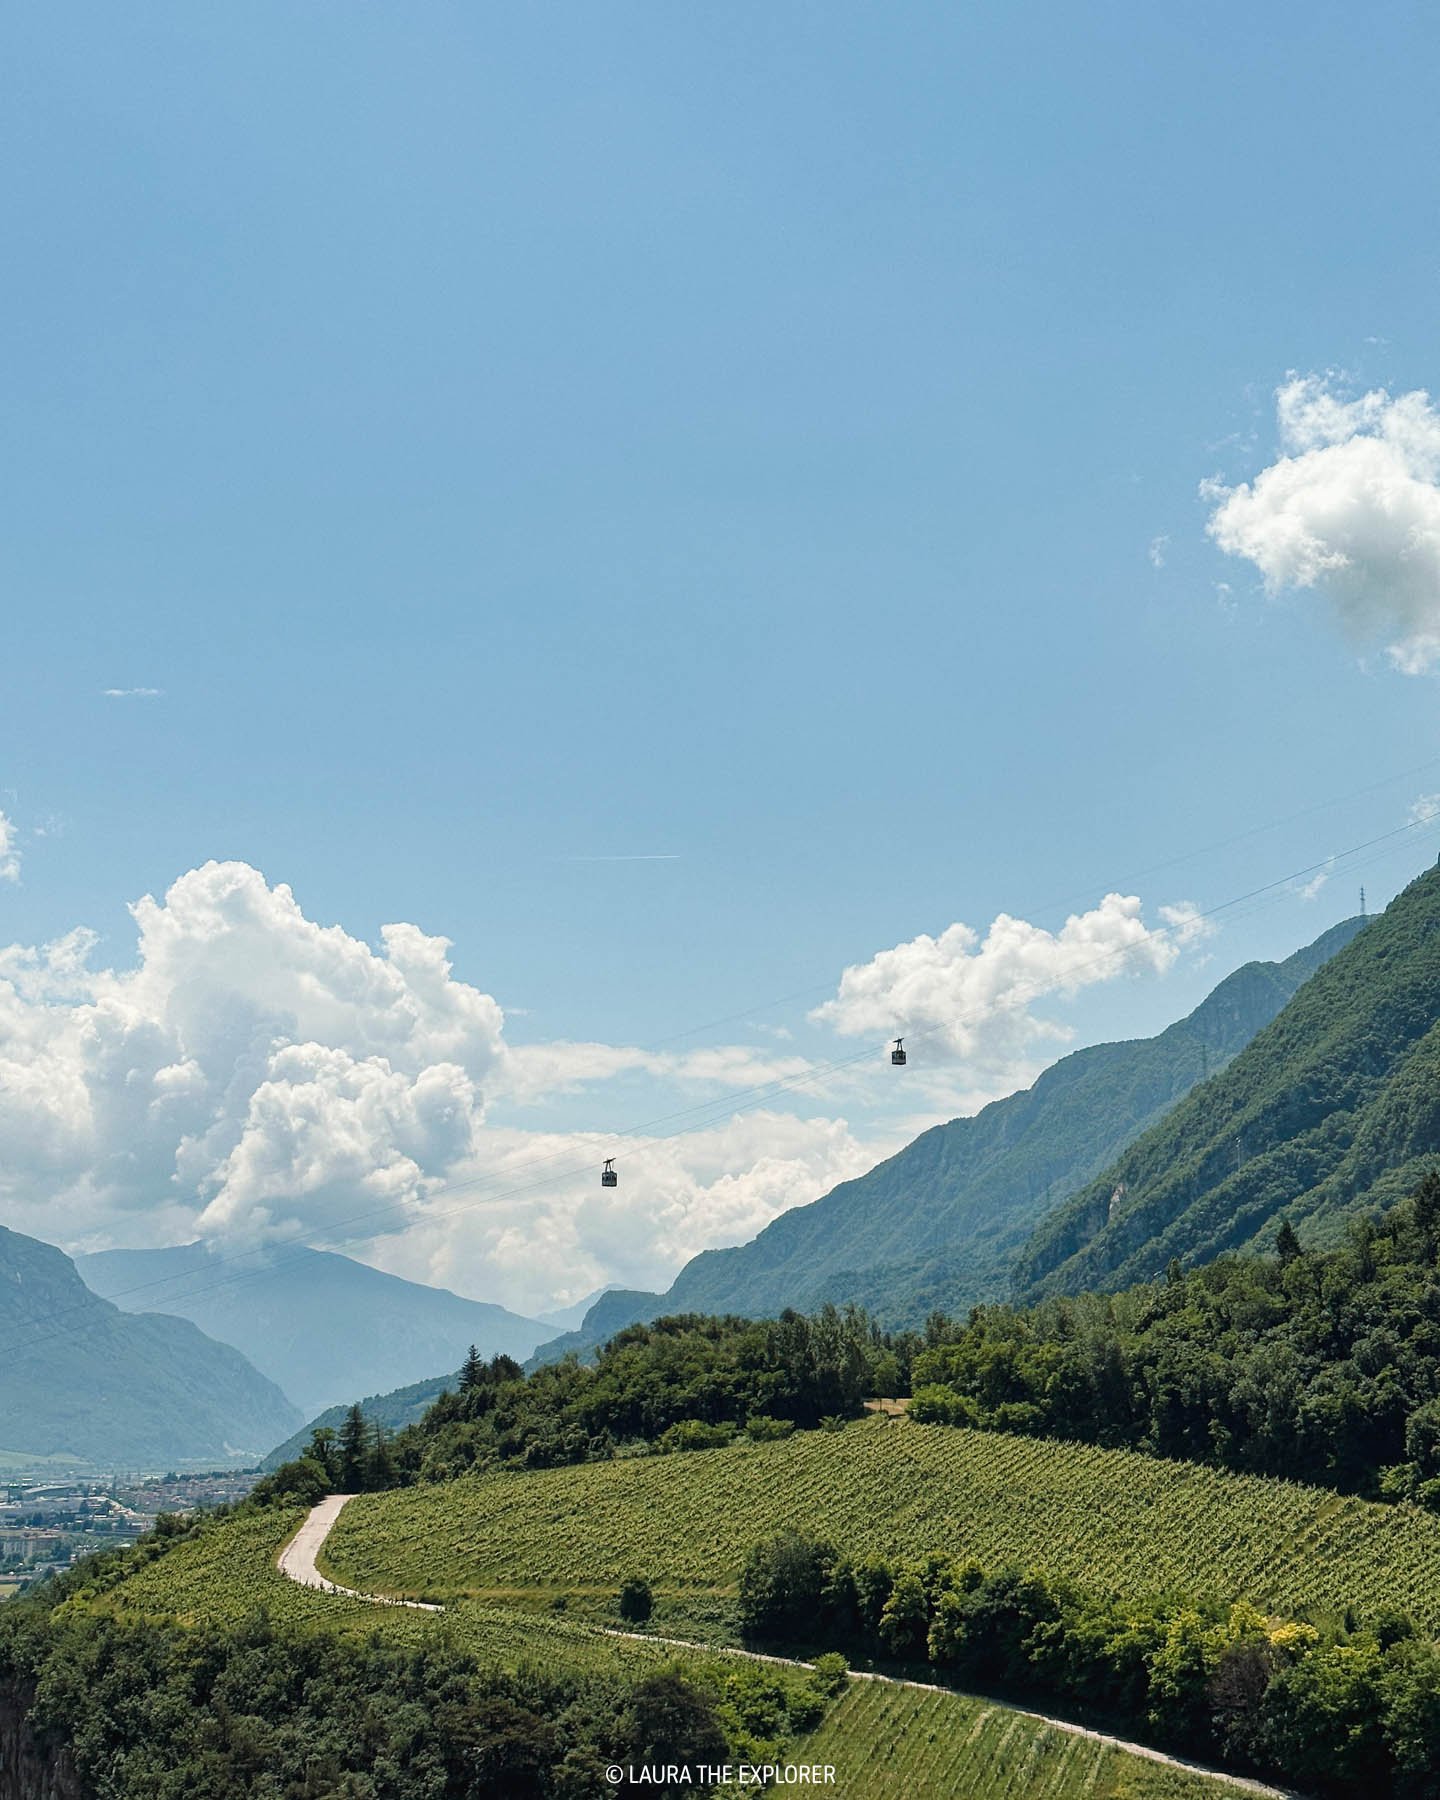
[78, 1375]
[1334, 1107]
[938, 1224]
[322, 1326]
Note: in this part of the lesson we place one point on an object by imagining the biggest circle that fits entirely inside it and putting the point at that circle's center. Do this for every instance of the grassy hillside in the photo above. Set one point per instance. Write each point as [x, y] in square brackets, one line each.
[1112, 1518]
[1334, 1107]
[79, 1378]
[885, 1742]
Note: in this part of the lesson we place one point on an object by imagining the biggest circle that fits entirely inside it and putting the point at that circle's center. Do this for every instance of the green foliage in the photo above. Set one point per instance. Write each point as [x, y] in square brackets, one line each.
[1344, 1711]
[783, 1585]
[1318, 1365]
[764, 1430]
[637, 1600]
[695, 1434]
[1333, 1109]
[298, 1483]
[682, 1383]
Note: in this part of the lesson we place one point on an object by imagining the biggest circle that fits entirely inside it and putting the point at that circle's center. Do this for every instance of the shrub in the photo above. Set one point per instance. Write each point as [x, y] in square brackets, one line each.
[637, 1600]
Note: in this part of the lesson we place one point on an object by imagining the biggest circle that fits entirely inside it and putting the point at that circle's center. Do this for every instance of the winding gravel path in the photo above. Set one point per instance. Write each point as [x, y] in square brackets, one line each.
[297, 1560]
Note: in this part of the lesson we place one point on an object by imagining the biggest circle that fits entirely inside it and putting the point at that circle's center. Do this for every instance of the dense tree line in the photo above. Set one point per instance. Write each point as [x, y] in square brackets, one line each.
[688, 1382]
[152, 1711]
[1341, 1710]
[1320, 1366]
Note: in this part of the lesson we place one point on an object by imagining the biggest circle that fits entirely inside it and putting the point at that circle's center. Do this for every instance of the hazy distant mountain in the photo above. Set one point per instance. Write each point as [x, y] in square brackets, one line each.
[321, 1325]
[940, 1223]
[567, 1318]
[613, 1311]
[1334, 1109]
[122, 1389]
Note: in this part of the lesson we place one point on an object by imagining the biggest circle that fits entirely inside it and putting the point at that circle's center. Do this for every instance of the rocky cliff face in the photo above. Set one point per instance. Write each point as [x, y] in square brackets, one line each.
[28, 1771]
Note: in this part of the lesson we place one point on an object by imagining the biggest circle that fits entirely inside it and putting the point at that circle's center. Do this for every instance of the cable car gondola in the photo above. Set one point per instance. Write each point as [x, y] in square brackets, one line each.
[897, 1055]
[608, 1177]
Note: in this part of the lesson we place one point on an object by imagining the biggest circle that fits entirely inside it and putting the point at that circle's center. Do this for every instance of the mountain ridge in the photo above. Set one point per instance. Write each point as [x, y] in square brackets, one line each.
[322, 1326]
[1335, 1106]
[79, 1376]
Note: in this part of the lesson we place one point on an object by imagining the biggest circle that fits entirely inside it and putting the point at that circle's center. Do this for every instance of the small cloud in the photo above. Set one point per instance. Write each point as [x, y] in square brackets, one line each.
[1158, 547]
[1349, 510]
[1310, 890]
[9, 855]
[1426, 808]
[135, 693]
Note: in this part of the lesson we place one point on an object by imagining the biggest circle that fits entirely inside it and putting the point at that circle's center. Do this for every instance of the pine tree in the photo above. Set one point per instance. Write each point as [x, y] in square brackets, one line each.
[354, 1446]
[1287, 1245]
[380, 1470]
[472, 1371]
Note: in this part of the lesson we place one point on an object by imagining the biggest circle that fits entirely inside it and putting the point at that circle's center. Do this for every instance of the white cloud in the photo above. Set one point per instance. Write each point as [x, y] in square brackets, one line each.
[9, 855]
[1426, 808]
[1311, 889]
[536, 1071]
[133, 693]
[676, 1197]
[1158, 547]
[255, 1069]
[1350, 510]
[971, 998]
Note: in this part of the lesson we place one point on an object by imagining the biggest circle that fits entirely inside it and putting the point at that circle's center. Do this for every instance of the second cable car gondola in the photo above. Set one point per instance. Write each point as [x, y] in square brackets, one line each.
[608, 1177]
[897, 1055]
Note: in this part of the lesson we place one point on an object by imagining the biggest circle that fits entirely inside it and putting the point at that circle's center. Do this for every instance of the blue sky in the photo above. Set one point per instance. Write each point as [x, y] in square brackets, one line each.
[765, 442]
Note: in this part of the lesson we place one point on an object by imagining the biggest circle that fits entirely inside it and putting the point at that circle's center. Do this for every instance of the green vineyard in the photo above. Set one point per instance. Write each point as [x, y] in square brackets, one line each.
[1111, 1519]
[229, 1573]
[896, 1743]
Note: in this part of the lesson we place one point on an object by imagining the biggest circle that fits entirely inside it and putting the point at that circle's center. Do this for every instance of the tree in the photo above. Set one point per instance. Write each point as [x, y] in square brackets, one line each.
[322, 1450]
[354, 1445]
[783, 1585]
[637, 1600]
[472, 1371]
[1287, 1244]
[380, 1470]
[672, 1722]
[905, 1620]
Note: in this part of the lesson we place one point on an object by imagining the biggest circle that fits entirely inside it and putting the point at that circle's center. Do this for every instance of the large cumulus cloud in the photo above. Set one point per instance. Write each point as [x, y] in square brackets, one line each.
[254, 1068]
[1350, 510]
